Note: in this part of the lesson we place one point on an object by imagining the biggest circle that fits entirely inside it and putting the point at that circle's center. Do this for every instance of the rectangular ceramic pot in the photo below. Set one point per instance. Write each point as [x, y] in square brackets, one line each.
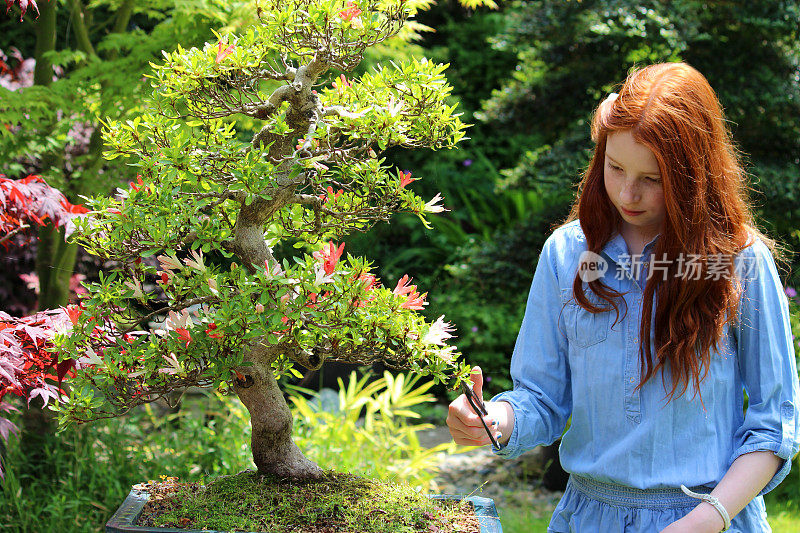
[124, 520]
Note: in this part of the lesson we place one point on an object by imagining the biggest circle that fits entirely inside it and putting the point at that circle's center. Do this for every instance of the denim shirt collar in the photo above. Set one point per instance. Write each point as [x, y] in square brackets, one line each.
[616, 249]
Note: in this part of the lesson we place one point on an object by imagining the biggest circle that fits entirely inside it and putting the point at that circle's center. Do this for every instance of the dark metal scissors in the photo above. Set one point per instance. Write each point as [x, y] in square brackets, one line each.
[480, 409]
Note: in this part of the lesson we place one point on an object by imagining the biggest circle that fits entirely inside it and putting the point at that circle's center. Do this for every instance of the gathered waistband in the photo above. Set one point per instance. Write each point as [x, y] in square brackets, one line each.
[631, 497]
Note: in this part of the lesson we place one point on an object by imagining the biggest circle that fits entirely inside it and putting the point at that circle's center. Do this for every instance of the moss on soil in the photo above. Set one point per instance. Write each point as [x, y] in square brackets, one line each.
[338, 503]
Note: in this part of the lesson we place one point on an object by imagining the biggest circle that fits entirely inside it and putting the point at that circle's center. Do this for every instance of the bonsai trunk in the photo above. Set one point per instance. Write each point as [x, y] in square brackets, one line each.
[274, 451]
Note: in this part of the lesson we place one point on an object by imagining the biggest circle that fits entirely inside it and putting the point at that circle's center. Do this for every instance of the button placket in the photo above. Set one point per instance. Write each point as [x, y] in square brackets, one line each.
[632, 370]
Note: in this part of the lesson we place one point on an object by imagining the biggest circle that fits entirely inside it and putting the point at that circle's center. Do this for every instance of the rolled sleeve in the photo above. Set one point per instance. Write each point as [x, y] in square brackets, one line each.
[767, 364]
[541, 397]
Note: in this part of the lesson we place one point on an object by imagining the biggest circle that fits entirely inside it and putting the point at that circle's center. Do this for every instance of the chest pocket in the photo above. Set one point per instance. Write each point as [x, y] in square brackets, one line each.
[583, 328]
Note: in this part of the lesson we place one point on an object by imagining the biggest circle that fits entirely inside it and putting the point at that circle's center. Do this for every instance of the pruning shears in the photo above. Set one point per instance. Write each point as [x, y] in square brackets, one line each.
[480, 409]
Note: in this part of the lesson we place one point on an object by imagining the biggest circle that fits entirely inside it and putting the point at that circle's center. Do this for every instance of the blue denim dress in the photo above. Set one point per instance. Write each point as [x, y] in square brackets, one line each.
[628, 451]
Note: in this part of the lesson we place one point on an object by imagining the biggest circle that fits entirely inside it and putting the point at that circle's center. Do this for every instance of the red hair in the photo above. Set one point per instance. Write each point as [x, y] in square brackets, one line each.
[671, 109]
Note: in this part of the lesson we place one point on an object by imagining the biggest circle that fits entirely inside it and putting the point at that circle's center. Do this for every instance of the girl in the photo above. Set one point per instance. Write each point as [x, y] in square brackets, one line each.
[651, 310]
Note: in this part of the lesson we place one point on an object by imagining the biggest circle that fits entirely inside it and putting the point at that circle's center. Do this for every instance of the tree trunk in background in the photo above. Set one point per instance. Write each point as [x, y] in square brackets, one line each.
[37, 425]
[55, 263]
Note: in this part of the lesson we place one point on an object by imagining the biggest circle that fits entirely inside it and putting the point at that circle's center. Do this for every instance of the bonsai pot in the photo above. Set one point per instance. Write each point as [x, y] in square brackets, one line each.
[124, 519]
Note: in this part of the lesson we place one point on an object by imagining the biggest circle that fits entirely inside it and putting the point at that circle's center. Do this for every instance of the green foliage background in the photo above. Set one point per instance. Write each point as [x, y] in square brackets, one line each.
[527, 76]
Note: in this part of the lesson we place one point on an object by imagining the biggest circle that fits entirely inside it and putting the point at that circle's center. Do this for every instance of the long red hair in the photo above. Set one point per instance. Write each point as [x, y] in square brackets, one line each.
[672, 109]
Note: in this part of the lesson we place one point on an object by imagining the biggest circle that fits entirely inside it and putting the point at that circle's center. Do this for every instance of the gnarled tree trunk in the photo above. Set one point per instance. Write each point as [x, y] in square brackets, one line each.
[274, 451]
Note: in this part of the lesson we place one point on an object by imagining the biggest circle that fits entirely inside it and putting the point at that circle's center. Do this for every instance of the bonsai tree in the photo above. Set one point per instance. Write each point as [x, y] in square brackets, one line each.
[240, 156]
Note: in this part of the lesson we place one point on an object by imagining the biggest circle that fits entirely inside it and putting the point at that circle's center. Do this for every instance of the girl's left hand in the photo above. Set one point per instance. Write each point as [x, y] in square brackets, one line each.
[688, 524]
[679, 526]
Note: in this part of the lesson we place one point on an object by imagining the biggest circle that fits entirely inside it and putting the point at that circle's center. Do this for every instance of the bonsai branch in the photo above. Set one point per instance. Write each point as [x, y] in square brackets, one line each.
[167, 309]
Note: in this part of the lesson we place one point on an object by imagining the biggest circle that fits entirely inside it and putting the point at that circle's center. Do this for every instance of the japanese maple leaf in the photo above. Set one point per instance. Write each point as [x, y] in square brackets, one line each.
[23, 5]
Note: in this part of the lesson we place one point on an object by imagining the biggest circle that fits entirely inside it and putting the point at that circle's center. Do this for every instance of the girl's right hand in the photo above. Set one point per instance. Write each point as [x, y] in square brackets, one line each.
[465, 424]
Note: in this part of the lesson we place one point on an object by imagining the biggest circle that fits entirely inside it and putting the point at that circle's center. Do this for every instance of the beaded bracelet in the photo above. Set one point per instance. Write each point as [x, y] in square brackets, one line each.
[713, 501]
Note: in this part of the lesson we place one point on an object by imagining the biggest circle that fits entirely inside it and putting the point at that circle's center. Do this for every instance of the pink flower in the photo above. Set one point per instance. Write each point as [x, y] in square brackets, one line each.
[415, 301]
[403, 286]
[368, 280]
[331, 196]
[31, 281]
[222, 54]
[351, 11]
[259, 308]
[329, 256]
[343, 83]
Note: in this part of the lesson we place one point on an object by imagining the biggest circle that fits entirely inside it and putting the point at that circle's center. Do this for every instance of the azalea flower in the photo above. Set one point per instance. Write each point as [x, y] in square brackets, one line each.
[394, 106]
[369, 281]
[174, 320]
[184, 335]
[342, 85]
[351, 11]
[210, 329]
[329, 256]
[415, 301]
[136, 286]
[174, 366]
[169, 263]
[74, 312]
[320, 274]
[439, 332]
[89, 358]
[197, 262]
[403, 286]
[212, 284]
[222, 54]
[432, 207]
[405, 179]
[273, 272]
[330, 196]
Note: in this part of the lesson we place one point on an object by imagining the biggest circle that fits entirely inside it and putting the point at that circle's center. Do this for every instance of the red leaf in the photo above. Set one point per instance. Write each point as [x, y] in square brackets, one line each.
[62, 368]
[23, 5]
